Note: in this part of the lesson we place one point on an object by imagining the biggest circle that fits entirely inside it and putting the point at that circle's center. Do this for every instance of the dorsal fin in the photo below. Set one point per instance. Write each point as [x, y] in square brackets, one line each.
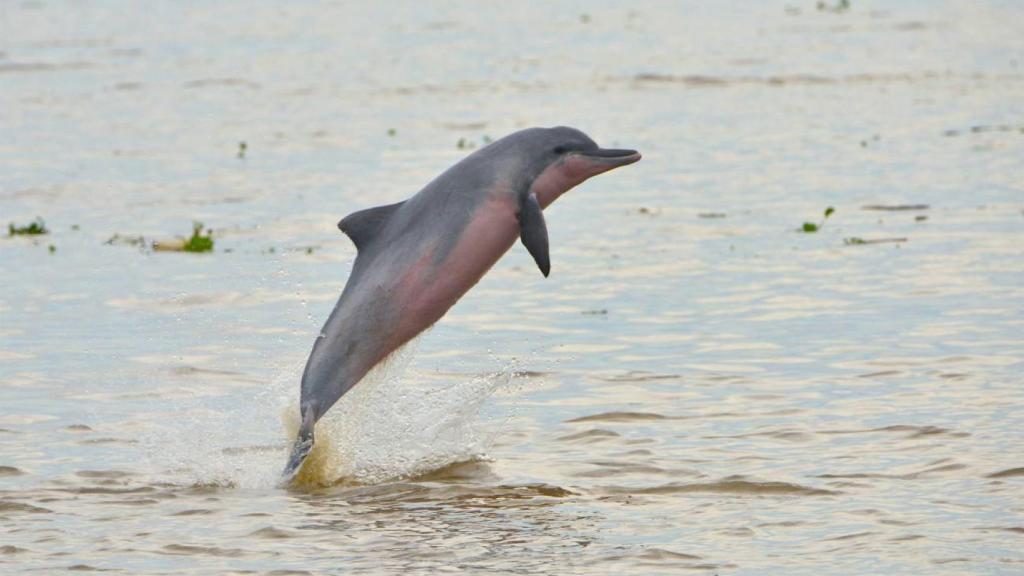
[364, 225]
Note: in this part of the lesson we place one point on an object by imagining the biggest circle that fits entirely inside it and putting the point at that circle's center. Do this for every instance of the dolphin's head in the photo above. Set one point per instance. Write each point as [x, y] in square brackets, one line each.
[559, 158]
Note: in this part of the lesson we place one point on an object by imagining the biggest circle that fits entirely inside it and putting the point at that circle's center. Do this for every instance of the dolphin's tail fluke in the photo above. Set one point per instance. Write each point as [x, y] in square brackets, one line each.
[300, 450]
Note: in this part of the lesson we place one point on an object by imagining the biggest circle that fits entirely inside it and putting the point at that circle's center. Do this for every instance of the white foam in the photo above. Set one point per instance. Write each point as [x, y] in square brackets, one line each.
[393, 424]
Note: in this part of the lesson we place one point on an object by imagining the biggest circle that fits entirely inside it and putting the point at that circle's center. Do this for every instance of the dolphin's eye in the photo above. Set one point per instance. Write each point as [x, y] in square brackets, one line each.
[560, 150]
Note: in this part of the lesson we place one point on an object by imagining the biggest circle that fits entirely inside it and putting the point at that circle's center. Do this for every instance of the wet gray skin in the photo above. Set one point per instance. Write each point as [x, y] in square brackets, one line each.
[418, 257]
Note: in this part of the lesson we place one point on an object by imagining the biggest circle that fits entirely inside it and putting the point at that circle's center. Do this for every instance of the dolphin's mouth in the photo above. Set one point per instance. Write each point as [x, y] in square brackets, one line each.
[612, 156]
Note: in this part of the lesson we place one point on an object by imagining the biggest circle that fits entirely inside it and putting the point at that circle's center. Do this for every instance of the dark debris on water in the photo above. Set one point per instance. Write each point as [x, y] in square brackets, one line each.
[857, 241]
[895, 207]
[35, 228]
[982, 129]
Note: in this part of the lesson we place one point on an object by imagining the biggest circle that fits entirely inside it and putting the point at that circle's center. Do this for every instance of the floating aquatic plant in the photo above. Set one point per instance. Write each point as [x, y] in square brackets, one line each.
[468, 144]
[841, 6]
[814, 227]
[198, 242]
[34, 228]
[242, 147]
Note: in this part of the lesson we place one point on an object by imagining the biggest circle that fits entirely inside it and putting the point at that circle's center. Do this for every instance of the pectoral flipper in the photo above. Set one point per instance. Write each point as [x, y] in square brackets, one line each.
[534, 232]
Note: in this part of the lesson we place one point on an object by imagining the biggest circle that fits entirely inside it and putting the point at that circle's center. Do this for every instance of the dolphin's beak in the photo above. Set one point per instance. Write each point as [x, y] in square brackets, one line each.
[611, 157]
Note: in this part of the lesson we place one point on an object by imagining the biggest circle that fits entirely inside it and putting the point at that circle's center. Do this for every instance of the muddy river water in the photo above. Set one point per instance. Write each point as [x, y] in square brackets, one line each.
[700, 387]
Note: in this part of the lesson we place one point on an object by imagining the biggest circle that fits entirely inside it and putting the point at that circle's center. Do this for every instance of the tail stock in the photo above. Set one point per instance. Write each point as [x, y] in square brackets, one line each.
[300, 450]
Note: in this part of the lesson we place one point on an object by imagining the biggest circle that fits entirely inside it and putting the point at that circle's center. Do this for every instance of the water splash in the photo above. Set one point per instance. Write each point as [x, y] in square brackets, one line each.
[395, 425]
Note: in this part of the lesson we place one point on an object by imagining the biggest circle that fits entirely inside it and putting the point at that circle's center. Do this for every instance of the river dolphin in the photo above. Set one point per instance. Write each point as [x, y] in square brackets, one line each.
[416, 258]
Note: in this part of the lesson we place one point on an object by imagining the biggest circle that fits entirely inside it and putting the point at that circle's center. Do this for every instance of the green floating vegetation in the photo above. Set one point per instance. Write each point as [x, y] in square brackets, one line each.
[467, 144]
[34, 228]
[810, 227]
[198, 242]
[52, 248]
[242, 147]
[392, 132]
[841, 6]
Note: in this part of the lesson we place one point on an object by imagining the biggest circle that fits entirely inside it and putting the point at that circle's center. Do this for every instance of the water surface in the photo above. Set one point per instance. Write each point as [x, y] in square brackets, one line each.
[697, 388]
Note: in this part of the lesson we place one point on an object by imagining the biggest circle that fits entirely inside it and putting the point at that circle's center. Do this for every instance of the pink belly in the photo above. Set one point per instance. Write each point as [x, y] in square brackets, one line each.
[429, 290]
